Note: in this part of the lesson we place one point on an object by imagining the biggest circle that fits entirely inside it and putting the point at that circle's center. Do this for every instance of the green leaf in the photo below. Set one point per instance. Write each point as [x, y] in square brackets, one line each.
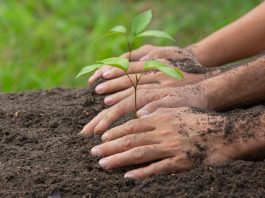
[173, 72]
[119, 29]
[156, 33]
[120, 62]
[89, 69]
[141, 21]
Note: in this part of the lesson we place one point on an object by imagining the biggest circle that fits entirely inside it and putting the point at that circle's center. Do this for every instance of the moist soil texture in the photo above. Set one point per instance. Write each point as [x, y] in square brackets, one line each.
[41, 155]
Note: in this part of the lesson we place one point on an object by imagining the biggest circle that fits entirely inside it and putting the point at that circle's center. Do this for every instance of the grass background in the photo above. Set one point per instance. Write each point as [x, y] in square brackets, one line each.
[44, 43]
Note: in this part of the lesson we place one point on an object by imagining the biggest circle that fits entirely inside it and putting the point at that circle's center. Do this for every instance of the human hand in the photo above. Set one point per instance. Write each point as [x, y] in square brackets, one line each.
[143, 53]
[148, 101]
[149, 80]
[179, 138]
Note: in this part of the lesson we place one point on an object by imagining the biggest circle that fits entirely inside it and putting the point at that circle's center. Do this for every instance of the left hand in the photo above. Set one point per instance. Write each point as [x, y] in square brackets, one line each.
[179, 138]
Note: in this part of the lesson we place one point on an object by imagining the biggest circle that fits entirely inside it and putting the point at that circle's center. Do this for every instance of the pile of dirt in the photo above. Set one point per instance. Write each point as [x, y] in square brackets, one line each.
[41, 154]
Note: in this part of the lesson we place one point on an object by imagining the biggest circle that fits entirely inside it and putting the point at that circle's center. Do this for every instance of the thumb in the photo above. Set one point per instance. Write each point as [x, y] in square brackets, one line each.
[152, 107]
[145, 58]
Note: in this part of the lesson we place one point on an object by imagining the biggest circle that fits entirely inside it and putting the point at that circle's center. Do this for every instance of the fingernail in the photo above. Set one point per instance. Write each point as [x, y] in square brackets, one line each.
[91, 79]
[104, 136]
[108, 100]
[129, 175]
[99, 89]
[144, 58]
[107, 74]
[82, 132]
[95, 151]
[142, 113]
[103, 163]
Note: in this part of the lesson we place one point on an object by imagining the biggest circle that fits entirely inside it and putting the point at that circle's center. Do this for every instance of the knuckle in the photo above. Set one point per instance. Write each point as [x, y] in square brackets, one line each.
[104, 149]
[138, 154]
[127, 142]
[130, 126]
[164, 132]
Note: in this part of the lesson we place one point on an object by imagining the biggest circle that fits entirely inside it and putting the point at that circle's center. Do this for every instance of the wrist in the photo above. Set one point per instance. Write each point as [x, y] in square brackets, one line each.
[213, 93]
[199, 53]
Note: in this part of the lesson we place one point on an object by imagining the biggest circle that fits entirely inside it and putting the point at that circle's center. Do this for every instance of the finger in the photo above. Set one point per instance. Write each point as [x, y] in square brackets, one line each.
[138, 53]
[117, 97]
[121, 83]
[168, 102]
[164, 166]
[133, 126]
[135, 155]
[134, 67]
[97, 74]
[89, 128]
[113, 85]
[123, 144]
[127, 105]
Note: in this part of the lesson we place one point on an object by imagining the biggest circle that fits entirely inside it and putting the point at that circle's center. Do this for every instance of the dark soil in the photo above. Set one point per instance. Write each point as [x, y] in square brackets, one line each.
[41, 155]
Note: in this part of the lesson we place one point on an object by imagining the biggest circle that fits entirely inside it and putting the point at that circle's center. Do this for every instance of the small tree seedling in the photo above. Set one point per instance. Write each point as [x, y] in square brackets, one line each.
[140, 22]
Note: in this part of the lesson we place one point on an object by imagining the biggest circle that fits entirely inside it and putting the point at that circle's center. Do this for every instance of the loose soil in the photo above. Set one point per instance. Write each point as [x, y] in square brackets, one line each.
[41, 155]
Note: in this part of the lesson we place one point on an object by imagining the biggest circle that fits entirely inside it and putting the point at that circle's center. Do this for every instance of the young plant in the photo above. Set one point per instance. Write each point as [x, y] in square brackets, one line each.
[140, 22]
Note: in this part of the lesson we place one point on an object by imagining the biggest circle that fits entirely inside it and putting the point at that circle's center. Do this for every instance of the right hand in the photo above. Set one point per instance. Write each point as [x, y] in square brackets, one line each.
[148, 101]
[146, 52]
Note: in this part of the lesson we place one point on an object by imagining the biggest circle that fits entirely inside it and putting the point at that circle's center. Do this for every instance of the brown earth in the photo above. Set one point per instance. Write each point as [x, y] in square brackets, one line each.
[41, 154]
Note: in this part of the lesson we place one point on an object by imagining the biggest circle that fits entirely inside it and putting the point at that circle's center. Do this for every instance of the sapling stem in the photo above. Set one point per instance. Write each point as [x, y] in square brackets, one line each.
[130, 48]
[139, 23]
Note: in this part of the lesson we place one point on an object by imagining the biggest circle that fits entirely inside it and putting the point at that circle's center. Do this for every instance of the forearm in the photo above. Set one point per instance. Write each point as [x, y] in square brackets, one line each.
[242, 85]
[241, 39]
[245, 130]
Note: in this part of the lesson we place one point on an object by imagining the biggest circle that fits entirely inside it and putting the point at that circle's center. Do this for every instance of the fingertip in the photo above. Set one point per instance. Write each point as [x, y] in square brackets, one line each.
[129, 175]
[105, 137]
[144, 58]
[107, 74]
[99, 89]
[83, 132]
[142, 112]
[108, 101]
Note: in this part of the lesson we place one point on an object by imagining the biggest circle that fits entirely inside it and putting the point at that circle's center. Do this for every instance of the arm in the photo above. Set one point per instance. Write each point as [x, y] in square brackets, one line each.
[242, 85]
[241, 39]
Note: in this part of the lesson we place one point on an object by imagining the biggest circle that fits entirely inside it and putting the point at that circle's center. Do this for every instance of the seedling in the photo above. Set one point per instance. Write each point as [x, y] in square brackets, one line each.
[140, 22]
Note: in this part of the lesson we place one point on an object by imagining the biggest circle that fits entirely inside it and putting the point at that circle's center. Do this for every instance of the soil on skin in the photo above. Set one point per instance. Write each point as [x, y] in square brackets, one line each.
[41, 154]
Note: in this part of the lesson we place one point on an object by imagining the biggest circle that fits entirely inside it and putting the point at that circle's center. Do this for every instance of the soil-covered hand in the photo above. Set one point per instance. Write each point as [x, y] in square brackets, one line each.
[145, 52]
[176, 139]
[150, 79]
[149, 100]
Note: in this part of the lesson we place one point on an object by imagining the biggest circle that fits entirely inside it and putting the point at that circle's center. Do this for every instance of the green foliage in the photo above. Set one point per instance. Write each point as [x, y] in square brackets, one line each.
[118, 62]
[156, 33]
[141, 21]
[173, 72]
[139, 24]
[119, 29]
[43, 43]
[89, 69]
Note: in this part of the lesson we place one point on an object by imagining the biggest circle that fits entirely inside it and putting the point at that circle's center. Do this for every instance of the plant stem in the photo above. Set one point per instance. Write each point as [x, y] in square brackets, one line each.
[130, 47]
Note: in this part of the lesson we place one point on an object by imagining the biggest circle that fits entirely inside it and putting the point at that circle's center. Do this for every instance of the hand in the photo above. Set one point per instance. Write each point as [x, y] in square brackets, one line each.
[145, 52]
[149, 100]
[150, 80]
[179, 138]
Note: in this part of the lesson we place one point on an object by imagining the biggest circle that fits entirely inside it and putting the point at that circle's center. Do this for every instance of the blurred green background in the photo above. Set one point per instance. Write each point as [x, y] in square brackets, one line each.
[44, 43]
